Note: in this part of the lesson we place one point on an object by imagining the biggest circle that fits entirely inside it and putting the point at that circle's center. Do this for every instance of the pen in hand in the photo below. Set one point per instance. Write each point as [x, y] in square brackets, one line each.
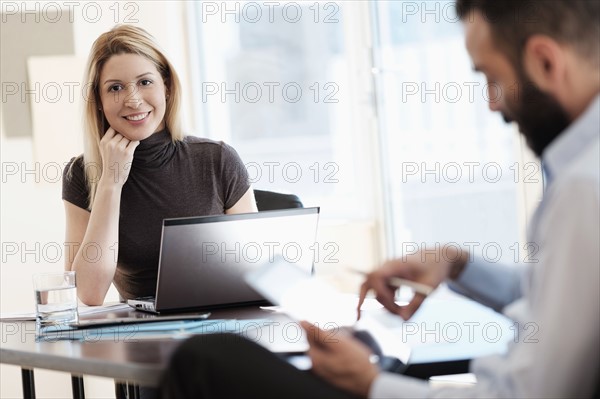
[398, 282]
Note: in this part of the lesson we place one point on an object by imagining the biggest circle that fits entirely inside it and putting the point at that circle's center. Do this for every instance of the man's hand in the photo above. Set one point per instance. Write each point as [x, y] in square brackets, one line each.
[341, 360]
[430, 268]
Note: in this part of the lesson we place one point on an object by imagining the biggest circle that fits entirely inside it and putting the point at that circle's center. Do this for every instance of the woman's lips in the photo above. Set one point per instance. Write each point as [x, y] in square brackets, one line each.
[139, 117]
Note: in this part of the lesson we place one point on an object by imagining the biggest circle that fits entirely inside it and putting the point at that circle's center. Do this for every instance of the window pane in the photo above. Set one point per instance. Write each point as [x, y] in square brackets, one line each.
[275, 84]
[451, 161]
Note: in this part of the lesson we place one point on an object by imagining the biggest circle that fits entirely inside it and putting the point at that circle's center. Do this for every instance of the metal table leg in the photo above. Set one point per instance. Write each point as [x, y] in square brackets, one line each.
[28, 383]
[77, 387]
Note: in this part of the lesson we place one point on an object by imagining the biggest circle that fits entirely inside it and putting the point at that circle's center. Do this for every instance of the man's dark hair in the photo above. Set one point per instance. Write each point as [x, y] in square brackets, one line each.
[572, 22]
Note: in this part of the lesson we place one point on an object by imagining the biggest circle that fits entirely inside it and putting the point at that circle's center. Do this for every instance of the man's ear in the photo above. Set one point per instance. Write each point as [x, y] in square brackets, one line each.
[545, 63]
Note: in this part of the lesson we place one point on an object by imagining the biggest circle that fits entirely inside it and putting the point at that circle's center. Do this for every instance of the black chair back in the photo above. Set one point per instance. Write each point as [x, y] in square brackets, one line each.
[271, 200]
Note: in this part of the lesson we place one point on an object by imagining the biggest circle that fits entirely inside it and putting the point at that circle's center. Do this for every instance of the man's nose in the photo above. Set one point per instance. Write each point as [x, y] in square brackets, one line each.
[495, 99]
[494, 106]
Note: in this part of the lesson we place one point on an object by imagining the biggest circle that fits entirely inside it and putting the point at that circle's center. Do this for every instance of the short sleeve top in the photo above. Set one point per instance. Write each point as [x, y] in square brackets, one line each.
[192, 177]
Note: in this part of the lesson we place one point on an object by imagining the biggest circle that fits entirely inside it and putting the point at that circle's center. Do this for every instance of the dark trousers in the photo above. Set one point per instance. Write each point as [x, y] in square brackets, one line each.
[229, 366]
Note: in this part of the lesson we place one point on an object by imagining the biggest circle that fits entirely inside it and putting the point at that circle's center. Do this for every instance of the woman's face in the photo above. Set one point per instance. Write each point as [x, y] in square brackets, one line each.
[133, 96]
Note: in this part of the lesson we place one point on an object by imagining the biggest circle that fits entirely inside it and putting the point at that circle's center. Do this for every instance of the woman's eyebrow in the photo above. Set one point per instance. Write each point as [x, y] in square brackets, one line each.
[117, 80]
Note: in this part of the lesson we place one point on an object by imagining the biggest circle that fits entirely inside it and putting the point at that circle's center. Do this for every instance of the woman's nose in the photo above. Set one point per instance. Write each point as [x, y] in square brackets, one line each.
[133, 98]
[134, 102]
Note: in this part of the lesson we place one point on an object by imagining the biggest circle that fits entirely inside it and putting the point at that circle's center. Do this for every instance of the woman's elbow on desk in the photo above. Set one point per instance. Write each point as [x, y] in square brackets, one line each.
[90, 298]
[92, 288]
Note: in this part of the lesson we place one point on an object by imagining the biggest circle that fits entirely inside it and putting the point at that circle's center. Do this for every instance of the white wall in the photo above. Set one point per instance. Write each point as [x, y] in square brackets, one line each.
[31, 206]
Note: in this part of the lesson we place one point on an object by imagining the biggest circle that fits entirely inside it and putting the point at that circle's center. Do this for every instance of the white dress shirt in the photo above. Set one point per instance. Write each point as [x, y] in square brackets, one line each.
[555, 298]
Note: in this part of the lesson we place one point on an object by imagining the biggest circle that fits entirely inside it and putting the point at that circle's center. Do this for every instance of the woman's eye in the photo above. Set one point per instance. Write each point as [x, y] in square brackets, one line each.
[145, 82]
[115, 88]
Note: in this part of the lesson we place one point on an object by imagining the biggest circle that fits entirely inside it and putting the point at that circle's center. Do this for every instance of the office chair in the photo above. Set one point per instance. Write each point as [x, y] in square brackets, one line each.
[271, 200]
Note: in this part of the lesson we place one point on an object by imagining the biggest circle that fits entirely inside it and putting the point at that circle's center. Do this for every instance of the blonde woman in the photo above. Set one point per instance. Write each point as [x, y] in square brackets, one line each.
[138, 168]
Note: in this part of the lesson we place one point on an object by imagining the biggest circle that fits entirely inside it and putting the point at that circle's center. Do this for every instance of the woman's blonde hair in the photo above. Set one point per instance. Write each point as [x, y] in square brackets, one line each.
[122, 39]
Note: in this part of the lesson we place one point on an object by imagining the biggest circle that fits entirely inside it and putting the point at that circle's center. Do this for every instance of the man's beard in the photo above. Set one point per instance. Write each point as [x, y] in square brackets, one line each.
[539, 116]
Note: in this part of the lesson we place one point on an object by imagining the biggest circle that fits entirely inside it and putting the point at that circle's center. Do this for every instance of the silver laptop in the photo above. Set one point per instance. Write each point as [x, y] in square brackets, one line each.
[203, 260]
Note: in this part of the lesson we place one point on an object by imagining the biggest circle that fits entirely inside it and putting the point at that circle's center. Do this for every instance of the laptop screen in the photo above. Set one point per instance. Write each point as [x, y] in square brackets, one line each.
[203, 260]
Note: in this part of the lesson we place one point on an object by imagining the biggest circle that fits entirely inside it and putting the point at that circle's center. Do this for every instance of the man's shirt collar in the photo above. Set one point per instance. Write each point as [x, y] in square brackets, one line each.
[570, 143]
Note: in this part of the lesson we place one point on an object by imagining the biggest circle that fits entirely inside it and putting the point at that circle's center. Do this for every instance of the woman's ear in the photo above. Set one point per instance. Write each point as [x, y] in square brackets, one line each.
[98, 103]
[167, 83]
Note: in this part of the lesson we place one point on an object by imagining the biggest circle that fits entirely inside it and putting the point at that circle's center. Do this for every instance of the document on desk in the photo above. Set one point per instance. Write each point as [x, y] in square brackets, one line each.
[108, 307]
[111, 319]
[447, 327]
[132, 332]
[302, 296]
[83, 310]
[305, 297]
